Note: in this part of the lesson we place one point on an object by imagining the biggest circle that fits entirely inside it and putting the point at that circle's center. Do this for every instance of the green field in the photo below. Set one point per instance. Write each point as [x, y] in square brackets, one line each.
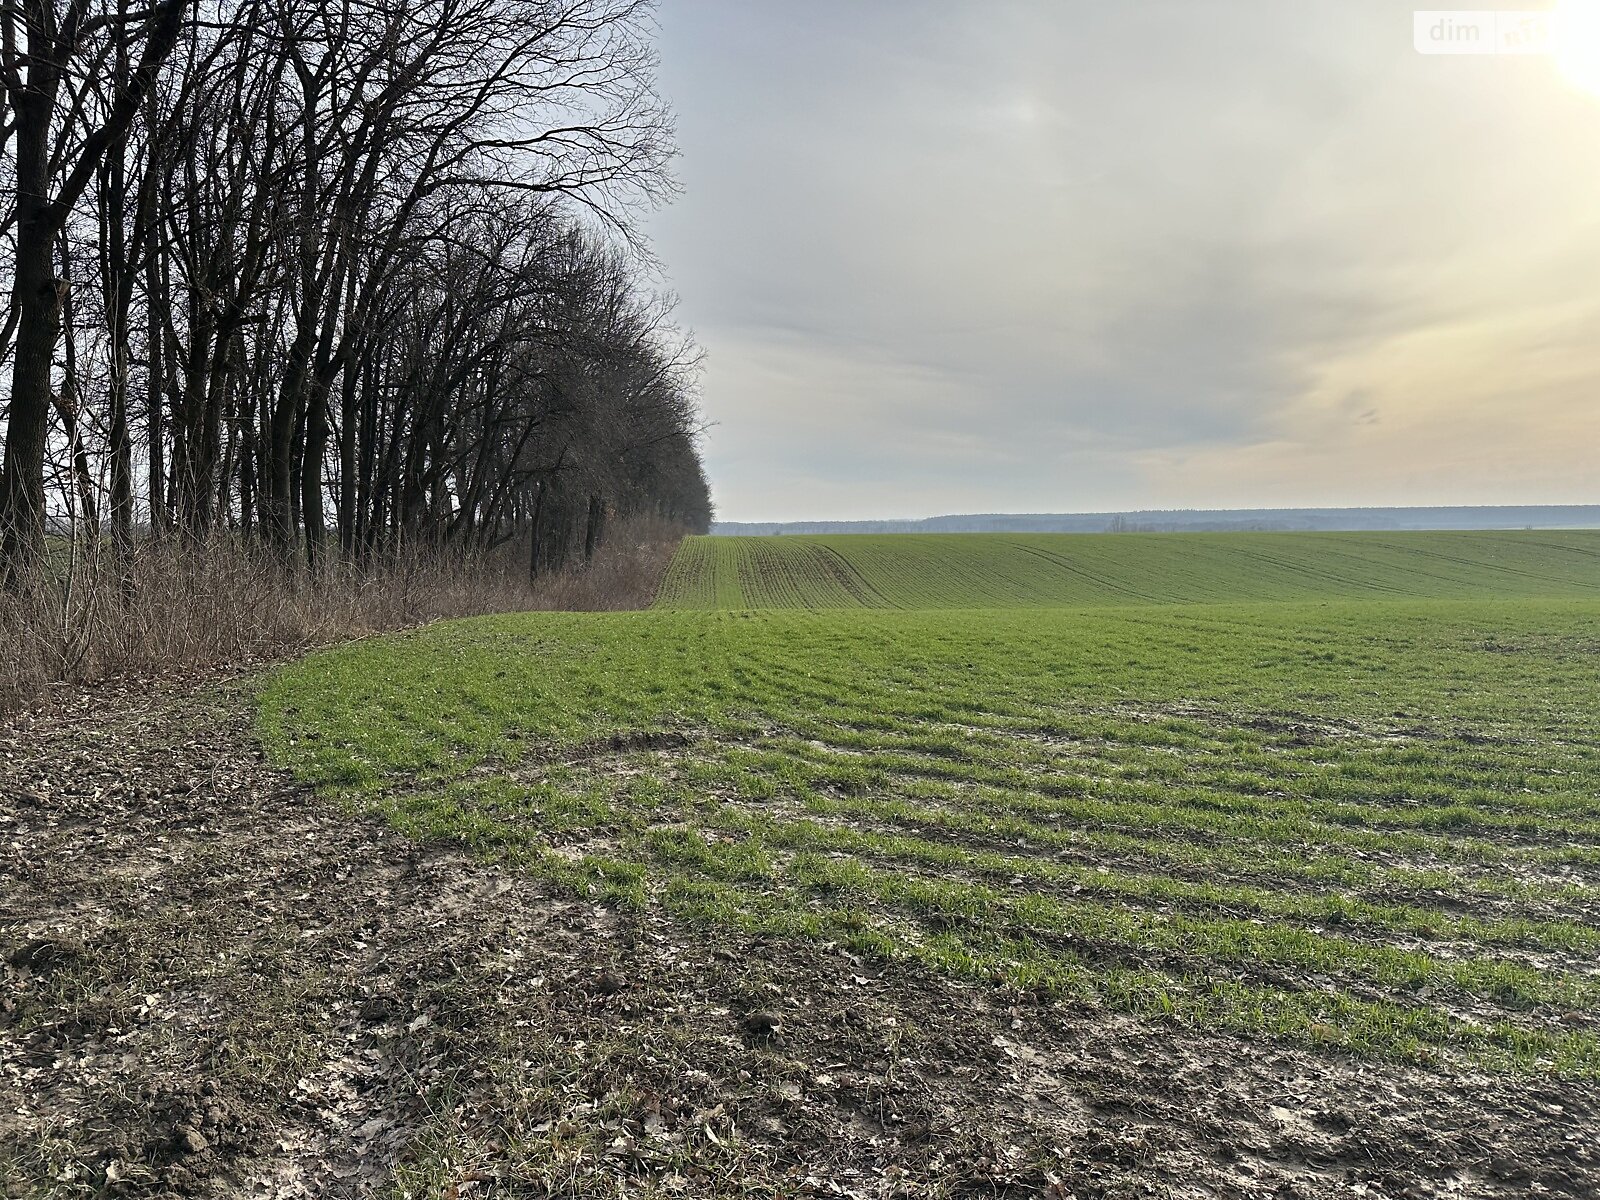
[1354, 806]
[1054, 570]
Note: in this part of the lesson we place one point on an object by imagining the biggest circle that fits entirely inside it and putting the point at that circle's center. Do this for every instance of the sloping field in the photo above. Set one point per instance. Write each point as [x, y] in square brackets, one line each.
[1065, 570]
[1353, 833]
[1362, 825]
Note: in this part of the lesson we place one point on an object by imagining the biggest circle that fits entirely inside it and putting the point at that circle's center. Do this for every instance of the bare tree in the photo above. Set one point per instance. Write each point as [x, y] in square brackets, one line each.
[61, 136]
[369, 269]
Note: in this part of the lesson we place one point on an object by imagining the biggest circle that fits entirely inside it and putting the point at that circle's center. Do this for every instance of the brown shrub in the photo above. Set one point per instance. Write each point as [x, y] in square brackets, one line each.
[177, 607]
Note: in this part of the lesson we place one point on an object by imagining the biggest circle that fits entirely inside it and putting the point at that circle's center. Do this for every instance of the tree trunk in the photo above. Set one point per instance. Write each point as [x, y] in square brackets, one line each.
[278, 498]
[535, 533]
[66, 402]
[316, 445]
[38, 299]
[595, 529]
[349, 425]
[191, 456]
[155, 348]
[118, 291]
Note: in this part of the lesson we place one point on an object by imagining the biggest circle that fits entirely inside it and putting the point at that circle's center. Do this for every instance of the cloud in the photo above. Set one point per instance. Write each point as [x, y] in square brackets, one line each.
[1041, 257]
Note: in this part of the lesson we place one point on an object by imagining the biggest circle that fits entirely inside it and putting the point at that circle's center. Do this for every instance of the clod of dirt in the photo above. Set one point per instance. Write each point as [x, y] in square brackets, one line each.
[43, 955]
[608, 983]
[764, 1026]
[180, 1179]
[192, 1141]
[379, 1010]
[647, 740]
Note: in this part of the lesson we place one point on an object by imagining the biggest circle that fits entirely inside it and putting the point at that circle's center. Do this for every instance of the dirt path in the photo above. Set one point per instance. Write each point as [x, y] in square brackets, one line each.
[216, 984]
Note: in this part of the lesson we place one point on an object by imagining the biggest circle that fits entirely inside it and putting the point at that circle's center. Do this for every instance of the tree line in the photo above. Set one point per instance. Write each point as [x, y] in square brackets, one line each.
[336, 276]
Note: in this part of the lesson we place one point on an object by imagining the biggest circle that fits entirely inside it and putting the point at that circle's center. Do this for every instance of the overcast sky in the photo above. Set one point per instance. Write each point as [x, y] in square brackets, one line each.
[1058, 256]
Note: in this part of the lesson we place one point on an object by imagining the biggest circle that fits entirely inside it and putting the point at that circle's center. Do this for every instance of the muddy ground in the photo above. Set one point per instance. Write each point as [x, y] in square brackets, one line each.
[216, 984]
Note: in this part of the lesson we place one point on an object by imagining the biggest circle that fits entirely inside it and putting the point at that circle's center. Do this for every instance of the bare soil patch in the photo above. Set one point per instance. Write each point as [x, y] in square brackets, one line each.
[215, 984]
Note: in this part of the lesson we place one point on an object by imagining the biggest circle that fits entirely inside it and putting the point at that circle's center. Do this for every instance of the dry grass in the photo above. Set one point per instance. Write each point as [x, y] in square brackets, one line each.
[184, 607]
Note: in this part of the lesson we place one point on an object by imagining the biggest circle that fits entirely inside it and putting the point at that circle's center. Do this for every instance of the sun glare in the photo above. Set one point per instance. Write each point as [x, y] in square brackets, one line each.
[1576, 42]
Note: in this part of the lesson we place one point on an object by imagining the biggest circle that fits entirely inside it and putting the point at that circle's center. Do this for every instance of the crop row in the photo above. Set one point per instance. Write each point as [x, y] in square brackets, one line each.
[1006, 570]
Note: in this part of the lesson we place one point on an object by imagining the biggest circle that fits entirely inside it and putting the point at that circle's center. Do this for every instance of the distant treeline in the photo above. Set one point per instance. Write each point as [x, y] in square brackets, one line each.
[315, 274]
[1515, 516]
